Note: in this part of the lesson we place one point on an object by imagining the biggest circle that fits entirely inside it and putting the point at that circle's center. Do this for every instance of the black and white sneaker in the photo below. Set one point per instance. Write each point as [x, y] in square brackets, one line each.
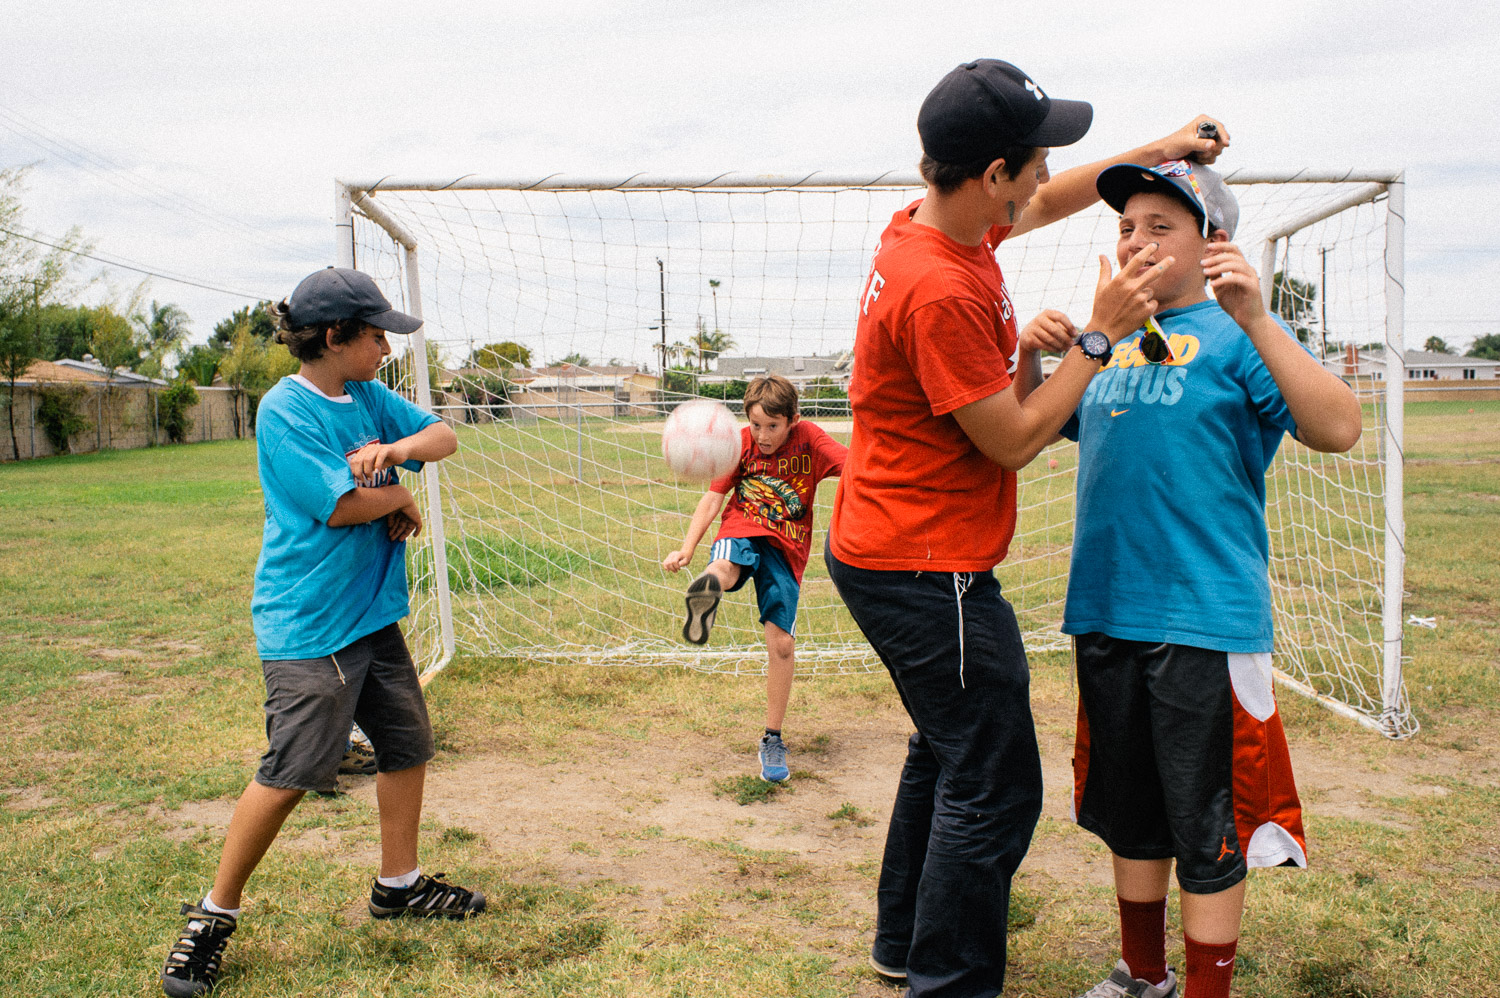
[192, 966]
[429, 897]
[359, 759]
[703, 595]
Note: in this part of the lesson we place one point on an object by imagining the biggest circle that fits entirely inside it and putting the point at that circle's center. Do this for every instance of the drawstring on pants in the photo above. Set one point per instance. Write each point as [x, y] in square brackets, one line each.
[961, 581]
[342, 680]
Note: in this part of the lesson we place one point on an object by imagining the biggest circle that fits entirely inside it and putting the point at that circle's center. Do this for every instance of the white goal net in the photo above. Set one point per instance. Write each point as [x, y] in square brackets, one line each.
[553, 306]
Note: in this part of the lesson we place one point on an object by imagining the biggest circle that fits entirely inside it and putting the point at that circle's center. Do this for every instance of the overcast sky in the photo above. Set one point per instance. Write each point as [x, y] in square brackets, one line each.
[202, 140]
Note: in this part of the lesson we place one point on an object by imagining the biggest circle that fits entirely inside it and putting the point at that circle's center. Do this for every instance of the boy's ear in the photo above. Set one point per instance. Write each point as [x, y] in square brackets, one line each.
[1218, 236]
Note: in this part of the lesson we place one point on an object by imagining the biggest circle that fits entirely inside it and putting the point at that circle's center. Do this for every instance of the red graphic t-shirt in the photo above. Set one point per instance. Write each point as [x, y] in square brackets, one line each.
[936, 332]
[771, 495]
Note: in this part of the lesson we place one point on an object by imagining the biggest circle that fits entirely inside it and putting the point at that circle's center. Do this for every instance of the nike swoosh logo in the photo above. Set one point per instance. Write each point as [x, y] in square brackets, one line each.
[1223, 963]
[1118, 412]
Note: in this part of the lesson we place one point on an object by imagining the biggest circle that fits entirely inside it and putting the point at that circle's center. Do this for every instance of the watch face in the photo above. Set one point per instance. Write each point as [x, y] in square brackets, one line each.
[1095, 345]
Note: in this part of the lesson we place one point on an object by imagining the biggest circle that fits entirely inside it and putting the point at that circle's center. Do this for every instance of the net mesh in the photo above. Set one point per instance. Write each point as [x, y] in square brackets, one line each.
[557, 510]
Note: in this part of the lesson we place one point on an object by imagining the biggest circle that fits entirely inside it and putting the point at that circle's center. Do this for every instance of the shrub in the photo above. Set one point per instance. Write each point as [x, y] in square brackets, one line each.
[60, 411]
[172, 407]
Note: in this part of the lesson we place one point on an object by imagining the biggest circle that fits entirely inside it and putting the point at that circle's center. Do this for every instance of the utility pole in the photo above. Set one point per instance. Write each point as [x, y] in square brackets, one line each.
[662, 278]
[1323, 300]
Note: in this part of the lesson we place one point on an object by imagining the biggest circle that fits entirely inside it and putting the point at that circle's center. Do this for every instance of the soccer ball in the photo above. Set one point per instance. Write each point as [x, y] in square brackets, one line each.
[701, 440]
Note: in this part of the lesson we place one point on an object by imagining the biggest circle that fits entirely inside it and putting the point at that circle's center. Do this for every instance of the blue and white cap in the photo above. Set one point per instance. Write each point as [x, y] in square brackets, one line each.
[1201, 189]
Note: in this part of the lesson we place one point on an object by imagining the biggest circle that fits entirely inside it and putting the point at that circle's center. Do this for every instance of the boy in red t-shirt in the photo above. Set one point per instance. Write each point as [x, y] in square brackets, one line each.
[766, 535]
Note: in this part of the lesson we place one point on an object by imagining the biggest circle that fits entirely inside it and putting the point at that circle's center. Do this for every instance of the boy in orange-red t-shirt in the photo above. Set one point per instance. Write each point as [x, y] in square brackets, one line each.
[766, 535]
[948, 404]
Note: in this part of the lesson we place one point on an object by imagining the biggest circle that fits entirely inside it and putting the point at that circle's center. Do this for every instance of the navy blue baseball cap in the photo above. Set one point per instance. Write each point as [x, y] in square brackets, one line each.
[1195, 185]
[336, 293]
[986, 106]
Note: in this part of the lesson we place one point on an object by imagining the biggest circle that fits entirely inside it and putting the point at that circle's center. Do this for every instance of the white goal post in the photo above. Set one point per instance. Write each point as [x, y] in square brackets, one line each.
[565, 316]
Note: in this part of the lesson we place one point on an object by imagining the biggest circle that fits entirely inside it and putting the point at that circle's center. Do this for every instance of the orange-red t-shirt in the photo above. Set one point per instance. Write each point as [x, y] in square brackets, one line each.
[771, 495]
[936, 332]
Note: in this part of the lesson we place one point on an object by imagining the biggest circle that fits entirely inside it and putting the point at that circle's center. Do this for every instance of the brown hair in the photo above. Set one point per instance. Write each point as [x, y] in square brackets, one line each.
[949, 177]
[308, 342]
[775, 395]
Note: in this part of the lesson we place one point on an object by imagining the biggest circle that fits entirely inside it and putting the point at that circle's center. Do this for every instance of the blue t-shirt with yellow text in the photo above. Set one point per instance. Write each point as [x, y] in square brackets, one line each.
[320, 588]
[1170, 539]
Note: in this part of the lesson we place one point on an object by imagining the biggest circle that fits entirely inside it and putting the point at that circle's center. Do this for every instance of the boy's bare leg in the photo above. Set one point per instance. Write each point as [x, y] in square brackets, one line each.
[1141, 879]
[257, 819]
[399, 796]
[780, 666]
[726, 571]
[1213, 918]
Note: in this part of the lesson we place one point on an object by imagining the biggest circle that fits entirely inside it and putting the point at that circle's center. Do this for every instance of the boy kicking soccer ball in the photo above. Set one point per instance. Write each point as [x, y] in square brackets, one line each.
[329, 588]
[1180, 756]
[766, 535]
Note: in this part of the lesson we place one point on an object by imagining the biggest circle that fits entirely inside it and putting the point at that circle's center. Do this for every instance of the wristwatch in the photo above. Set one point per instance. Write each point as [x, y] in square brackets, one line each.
[1095, 345]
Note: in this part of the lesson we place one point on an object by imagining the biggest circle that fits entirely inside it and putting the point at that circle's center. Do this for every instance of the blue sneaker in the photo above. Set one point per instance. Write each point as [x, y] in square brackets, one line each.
[773, 759]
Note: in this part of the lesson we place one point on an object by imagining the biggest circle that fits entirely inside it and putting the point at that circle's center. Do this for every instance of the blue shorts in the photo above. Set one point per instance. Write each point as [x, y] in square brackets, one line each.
[776, 588]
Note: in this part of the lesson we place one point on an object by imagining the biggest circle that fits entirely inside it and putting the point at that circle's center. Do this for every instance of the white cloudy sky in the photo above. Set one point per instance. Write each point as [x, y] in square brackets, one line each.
[201, 140]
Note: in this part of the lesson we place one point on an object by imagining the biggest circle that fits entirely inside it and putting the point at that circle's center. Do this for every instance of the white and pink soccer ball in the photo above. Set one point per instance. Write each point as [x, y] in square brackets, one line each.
[701, 440]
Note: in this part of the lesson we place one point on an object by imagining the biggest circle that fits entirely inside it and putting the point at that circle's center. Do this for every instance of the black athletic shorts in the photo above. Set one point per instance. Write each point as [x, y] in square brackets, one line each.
[1180, 754]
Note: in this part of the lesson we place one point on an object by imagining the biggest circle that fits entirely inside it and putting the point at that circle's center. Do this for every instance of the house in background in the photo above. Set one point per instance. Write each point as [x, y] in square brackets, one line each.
[1420, 365]
[803, 370]
[594, 390]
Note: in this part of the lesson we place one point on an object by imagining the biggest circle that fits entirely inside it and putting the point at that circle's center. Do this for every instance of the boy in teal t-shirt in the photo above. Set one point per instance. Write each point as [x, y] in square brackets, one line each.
[1180, 757]
[330, 587]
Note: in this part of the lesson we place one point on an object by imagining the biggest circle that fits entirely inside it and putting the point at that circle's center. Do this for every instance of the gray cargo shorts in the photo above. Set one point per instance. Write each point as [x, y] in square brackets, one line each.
[311, 703]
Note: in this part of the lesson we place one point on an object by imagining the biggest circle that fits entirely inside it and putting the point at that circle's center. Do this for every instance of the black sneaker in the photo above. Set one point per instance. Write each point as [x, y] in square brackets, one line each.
[703, 595]
[429, 897]
[192, 966]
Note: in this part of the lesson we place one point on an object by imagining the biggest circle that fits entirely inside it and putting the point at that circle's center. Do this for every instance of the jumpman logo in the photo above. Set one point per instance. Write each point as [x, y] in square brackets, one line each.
[1225, 849]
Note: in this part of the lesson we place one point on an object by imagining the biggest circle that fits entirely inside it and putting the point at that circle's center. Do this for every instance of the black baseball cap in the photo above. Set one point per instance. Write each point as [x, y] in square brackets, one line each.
[986, 106]
[336, 293]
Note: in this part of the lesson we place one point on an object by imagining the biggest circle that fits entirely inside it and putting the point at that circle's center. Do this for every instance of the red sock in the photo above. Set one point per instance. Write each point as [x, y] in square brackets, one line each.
[1143, 938]
[1209, 968]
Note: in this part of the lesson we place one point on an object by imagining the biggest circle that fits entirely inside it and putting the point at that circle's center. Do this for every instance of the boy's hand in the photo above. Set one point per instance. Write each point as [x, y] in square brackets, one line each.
[1186, 144]
[1235, 283]
[1124, 301]
[677, 560]
[403, 523]
[375, 457]
[1050, 330]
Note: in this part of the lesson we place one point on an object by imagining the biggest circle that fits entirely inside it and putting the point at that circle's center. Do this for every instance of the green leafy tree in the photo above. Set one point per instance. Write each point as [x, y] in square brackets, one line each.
[250, 367]
[709, 345]
[67, 330]
[576, 359]
[398, 367]
[500, 356]
[255, 317]
[162, 330]
[116, 347]
[1293, 301]
[1436, 344]
[1486, 347]
[200, 364]
[29, 280]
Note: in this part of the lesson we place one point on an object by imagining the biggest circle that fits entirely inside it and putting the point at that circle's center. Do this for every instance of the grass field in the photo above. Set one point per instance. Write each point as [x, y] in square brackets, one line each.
[601, 809]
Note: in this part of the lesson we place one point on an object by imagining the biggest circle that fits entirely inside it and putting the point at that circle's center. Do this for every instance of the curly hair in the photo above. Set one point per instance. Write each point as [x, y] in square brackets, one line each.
[308, 342]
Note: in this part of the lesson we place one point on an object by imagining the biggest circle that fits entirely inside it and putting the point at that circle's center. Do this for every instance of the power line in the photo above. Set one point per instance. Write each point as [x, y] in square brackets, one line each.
[119, 176]
[138, 268]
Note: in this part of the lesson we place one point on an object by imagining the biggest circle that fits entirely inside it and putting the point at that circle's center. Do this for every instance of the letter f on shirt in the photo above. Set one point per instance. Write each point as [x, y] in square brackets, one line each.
[872, 290]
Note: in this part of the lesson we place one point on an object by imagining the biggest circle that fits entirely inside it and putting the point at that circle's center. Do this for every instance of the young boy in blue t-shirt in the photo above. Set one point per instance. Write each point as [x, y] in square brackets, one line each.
[1180, 758]
[330, 587]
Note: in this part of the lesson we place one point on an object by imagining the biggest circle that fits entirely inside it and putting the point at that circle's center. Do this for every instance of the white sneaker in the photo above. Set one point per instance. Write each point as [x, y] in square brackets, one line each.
[1119, 984]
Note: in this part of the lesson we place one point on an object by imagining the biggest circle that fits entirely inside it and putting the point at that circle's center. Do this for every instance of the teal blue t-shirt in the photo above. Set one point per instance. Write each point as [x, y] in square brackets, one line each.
[1169, 539]
[319, 588]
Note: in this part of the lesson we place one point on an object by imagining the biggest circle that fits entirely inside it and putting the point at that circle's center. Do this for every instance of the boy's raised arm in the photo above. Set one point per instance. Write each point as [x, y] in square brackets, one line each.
[1073, 190]
[432, 442]
[708, 508]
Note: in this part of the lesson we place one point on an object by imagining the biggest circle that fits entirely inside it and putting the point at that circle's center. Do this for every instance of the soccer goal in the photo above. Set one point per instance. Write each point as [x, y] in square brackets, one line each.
[565, 317]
